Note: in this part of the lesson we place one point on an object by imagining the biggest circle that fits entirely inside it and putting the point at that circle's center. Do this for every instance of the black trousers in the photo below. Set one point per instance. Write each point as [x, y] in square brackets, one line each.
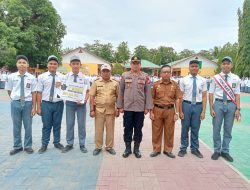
[133, 121]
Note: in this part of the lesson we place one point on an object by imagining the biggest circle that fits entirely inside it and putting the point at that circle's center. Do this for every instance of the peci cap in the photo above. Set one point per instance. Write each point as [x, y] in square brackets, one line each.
[22, 57]
[52, 57]
[106, 66]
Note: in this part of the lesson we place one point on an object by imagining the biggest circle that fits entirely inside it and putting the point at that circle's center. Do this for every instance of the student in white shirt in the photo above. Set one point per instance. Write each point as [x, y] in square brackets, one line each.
[49, 105]
[21, 87]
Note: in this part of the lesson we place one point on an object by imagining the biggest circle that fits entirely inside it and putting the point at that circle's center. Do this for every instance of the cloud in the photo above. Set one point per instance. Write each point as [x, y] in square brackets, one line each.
[193, 24]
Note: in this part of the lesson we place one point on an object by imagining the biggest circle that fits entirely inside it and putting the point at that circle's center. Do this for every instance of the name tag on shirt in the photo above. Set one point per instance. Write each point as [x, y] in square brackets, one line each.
[28, 85]
[128, 80]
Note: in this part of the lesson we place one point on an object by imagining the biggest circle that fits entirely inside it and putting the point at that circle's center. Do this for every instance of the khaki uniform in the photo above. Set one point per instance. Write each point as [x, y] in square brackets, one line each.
[105, 93]
[134, 97]
[164, 95]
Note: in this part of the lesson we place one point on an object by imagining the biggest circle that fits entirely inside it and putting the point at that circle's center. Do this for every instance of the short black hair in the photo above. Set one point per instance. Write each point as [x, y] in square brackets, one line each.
[163, 66]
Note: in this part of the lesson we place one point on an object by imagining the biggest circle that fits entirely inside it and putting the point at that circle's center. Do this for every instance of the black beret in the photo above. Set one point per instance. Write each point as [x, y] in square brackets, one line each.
[22, 57]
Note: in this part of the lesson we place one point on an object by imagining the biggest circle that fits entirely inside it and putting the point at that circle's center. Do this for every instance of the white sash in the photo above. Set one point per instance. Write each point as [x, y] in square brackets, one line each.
[225, 87]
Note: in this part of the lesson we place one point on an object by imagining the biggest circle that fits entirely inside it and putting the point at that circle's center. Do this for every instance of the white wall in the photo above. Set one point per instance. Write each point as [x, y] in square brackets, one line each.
[205, 63]
[84, 56]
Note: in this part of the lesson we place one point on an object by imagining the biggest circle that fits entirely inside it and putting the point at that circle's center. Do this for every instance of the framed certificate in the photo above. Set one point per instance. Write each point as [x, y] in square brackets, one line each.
[73, 92]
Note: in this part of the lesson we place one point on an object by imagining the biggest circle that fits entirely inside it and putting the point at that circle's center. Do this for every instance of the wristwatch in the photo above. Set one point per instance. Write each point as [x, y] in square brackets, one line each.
[238, 109]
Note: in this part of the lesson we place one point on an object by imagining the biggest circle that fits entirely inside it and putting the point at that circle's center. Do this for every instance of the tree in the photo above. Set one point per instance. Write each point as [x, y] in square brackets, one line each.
[185, 53]
[242, 66]
[117, 69]
[167, 54]
[207, 53]
[142, 52]
[227, 50]
[35, 29]
[104, 51]
[122, 53]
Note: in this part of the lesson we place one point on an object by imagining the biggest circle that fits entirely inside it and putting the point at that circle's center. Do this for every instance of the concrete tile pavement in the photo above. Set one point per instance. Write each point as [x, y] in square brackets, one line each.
[188, 173]
[51, 170]
[75, 170]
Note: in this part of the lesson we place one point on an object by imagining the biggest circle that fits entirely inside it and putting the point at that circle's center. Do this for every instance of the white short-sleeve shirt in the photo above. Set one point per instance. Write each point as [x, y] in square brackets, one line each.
[44, 85]
[81, 79]
[232, 79]
[13, 84]
[186, 86]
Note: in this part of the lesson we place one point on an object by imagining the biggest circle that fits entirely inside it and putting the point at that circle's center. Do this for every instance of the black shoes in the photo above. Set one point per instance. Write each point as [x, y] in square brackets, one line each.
[169, 154]
[83, 149]
[136, 150]
[197, 153]
[29, 150]
[67, 148]
[227, 157]
[154, 154]
[59, 146]
[127, 151]
[96, 151]
[15, 151]
[42, 149]
[215, 156]
[111, 151]
[182, 153]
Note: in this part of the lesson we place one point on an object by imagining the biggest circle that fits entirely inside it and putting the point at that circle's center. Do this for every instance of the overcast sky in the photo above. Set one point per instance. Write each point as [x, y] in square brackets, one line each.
[192, 24]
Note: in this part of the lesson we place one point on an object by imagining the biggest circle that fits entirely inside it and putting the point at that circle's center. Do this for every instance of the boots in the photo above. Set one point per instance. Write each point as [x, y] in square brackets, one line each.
[136, 150]
[127, 151]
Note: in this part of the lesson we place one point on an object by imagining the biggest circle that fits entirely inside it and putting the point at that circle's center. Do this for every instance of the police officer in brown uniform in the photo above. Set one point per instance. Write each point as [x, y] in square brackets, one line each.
[166, 95]
[103, 95]
[134, 100]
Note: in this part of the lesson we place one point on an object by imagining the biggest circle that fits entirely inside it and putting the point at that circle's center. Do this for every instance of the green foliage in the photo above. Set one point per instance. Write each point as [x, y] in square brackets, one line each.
[33, 28]
[142, 52]
[104, 51]
[117, 69]
[207, 53]
[122, 53]
[160, 56]
[185, 53]
[242, 66]
[227, 50]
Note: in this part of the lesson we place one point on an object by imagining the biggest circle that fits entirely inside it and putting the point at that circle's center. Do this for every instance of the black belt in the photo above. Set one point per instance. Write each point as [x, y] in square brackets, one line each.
[220, 100]
[165, 106]
[197, 103]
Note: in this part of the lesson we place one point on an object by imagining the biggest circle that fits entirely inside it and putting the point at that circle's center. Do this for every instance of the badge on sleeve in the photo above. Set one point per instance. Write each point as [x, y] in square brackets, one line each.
[233, 85]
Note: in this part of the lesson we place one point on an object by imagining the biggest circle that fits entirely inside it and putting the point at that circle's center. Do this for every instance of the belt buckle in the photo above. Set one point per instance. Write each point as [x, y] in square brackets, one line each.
[225, 103]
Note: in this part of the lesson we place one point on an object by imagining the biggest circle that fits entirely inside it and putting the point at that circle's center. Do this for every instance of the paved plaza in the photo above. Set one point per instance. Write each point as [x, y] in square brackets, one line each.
[78, 171]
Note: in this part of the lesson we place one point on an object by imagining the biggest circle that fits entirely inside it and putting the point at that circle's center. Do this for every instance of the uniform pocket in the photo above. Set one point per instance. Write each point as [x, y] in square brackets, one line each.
[160, 94]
